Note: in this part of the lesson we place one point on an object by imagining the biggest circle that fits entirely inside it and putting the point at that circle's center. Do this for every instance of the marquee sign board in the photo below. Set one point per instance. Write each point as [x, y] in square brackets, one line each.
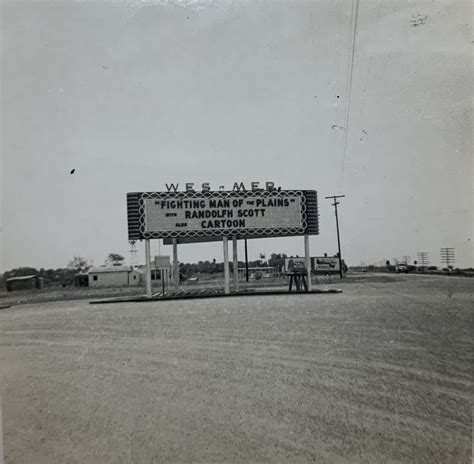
[197, 216]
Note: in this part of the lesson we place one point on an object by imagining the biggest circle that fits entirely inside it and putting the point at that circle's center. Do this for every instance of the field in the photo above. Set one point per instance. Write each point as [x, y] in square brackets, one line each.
[380, 373]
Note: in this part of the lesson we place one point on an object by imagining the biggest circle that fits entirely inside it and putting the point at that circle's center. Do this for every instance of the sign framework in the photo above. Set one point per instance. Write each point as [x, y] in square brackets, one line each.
[193, 216]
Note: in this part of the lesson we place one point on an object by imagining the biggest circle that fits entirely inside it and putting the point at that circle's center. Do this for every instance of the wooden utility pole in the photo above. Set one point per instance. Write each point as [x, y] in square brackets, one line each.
[334, 197]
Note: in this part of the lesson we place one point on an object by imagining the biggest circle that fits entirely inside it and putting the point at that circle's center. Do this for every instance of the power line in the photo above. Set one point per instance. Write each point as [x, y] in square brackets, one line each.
[350, 70]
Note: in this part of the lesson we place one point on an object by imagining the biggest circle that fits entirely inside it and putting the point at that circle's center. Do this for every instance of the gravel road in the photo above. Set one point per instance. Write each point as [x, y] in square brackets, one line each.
[380, 373]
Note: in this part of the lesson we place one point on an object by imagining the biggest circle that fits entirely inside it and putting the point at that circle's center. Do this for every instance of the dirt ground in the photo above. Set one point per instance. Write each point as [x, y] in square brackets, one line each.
[58, 293]
[380, 373]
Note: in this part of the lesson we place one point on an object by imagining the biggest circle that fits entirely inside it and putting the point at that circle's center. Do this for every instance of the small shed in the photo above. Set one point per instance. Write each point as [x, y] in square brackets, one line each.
[24, 282]
[113, 276]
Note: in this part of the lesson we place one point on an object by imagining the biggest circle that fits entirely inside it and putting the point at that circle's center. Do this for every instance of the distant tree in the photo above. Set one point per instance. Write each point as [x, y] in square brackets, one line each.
[78, 264]
[51, 275]
[62, 276]
[188, 269]
[277, 260]
[114, 258]
[66, 276]
[390, 267]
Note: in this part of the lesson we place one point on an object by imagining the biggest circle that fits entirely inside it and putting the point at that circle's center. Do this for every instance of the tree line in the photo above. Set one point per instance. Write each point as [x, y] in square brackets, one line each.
[66, 276]
[62, 276]
[276, 260]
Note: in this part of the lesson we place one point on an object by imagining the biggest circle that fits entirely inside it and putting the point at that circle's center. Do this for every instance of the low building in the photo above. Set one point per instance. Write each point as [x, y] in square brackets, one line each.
[113, 276]
[24, 282]
[159, 266]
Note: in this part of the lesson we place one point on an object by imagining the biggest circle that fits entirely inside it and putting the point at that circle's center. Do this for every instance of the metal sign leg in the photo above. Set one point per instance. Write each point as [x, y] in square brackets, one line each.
[175, 264]
[147, 269]
[235, 263]
[226, 265]
[307, 261]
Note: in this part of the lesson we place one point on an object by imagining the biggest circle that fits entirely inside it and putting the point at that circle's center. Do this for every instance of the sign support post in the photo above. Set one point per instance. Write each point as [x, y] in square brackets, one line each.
[147, 269]
[235, 263]
[246, 263]
[226, 265]
[175, 264]
[307, 260]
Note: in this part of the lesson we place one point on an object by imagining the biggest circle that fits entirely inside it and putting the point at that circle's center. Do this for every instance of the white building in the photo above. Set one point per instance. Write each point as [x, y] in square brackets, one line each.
[113, 276]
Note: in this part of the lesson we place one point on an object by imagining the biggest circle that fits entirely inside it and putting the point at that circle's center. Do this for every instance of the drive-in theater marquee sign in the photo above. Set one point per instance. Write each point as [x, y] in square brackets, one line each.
[213, 214]
[193, 216]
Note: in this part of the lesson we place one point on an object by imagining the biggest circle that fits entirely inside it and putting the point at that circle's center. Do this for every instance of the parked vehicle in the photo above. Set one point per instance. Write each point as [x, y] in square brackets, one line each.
[401, 267]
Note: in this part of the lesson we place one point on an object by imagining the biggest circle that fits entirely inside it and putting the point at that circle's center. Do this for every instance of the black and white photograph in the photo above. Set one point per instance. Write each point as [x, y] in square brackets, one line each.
[236, 231]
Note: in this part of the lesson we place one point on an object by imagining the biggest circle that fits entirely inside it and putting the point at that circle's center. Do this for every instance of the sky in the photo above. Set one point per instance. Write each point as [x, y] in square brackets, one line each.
[135, 94]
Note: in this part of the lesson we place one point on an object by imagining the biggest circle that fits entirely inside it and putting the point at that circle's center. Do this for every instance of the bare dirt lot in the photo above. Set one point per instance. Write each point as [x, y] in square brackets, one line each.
[380, 373]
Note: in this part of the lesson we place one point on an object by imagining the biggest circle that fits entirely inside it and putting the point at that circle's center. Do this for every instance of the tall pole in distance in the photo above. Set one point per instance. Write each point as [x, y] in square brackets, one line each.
[334, 197]
[447, 256]
[423, 258]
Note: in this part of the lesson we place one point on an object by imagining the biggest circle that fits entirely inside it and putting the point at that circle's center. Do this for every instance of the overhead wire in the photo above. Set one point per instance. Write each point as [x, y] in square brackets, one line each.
[350, 73]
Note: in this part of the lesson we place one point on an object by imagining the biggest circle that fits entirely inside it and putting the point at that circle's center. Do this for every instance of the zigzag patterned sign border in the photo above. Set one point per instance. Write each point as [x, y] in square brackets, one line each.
[222, 232]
